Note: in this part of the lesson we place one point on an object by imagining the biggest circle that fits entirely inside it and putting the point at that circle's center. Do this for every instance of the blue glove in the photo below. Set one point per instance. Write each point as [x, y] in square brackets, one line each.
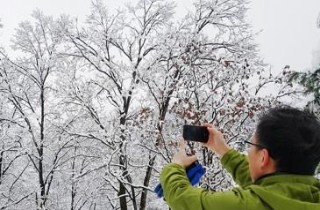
[194, 173]
[159, 191]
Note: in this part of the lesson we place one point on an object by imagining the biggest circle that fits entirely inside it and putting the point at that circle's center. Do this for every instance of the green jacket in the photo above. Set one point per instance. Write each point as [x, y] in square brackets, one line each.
[276, 192]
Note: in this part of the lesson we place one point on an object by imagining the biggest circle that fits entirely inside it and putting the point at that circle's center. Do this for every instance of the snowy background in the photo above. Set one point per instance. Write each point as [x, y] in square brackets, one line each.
[94, 94]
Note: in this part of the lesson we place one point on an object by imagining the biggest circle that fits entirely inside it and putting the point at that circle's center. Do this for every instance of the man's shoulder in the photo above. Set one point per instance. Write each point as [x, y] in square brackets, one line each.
[286, 191]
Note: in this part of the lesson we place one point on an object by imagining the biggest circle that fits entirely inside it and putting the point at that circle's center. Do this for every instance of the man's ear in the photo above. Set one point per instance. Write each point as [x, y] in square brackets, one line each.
[267, 164]
[265, 158]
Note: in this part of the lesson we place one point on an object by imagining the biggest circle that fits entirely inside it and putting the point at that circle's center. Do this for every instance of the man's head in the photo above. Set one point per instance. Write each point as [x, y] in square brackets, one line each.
[291, 139]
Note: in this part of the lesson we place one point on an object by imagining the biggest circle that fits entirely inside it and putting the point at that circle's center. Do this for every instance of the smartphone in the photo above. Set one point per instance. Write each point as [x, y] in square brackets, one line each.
[195, 133]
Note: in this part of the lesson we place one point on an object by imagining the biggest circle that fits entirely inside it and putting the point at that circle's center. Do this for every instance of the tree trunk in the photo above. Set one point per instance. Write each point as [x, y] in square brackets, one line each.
[143, 200]
[40, 151]
[1, 161]
[122, 162]
[123, 200]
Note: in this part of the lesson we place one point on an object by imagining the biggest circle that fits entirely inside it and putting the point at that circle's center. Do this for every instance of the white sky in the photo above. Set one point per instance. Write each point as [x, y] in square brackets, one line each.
[289, 33]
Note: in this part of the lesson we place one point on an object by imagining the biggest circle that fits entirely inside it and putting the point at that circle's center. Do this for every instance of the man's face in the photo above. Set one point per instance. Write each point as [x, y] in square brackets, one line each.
[254, 157]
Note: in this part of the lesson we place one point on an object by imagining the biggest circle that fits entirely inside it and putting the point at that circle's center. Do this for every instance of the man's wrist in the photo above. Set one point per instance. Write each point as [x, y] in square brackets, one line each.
[178, 163]
[223, 151]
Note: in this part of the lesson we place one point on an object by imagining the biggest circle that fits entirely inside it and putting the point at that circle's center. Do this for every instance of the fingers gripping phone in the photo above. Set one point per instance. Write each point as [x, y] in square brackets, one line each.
[195, 133]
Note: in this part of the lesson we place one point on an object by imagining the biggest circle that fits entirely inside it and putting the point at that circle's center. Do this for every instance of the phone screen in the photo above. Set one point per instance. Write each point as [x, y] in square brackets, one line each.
[195, 133]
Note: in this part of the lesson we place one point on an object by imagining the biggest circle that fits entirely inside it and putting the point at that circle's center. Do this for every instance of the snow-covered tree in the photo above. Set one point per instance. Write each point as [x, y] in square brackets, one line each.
[27, 85]
[144, 75]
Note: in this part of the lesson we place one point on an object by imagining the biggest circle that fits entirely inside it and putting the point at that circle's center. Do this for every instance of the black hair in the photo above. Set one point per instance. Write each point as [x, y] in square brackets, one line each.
[292, 137]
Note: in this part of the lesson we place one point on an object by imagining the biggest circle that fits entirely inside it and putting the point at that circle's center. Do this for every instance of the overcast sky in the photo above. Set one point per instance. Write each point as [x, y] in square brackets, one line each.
[288, 27]
[290, 34]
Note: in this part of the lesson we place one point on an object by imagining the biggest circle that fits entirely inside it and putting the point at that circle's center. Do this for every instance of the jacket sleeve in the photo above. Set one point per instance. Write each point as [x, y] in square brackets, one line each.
[180, 195]
[237, 165]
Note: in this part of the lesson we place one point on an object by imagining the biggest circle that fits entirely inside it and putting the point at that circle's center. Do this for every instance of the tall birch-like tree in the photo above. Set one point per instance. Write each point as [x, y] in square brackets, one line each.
[27, 84]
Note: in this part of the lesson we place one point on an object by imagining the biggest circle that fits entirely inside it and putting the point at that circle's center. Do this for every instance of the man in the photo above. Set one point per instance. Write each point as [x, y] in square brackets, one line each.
[277, 174]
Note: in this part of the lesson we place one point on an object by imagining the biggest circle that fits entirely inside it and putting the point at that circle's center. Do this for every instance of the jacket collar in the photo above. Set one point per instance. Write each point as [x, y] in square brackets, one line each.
[278, 177]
